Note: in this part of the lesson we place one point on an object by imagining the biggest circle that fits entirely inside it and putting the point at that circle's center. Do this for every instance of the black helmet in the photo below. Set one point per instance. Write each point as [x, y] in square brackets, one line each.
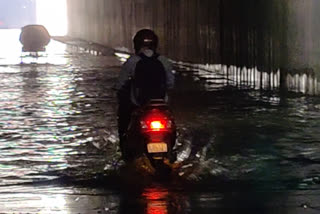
[145, 38]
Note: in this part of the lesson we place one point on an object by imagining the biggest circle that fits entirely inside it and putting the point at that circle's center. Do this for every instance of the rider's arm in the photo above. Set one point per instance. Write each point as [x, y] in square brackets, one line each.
[169, 72]
[127, 71]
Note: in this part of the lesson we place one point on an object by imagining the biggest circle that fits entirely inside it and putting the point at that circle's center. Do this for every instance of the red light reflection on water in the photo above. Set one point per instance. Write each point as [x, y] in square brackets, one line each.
[156, 200]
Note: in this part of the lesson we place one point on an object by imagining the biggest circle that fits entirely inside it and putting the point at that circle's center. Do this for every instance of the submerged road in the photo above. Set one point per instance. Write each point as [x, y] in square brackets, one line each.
[240, 150]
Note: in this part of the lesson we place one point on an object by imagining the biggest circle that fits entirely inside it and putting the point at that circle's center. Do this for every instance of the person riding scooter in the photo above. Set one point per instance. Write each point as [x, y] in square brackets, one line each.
[146, 75]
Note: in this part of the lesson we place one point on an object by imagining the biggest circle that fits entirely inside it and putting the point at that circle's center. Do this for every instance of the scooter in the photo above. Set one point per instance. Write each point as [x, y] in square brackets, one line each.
[151, 133]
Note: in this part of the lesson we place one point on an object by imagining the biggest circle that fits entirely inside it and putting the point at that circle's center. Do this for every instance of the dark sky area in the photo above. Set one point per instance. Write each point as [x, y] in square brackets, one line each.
[17, 13]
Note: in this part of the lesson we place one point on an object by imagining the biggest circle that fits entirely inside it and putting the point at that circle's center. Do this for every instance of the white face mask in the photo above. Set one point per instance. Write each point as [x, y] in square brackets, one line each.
[148, 52]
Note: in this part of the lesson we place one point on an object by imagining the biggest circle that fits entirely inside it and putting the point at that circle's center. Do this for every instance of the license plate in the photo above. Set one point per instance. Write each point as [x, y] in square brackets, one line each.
[157, 147]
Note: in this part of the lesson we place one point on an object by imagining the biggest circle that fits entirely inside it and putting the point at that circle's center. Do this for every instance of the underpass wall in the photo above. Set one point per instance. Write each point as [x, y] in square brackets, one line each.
[189, 30]
[267, 35]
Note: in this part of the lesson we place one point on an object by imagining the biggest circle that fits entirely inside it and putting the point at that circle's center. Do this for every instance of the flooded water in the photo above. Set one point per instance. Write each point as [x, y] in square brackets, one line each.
[240, 150]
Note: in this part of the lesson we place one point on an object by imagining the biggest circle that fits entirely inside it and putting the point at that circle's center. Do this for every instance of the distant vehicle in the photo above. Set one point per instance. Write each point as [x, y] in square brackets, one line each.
[34, 38]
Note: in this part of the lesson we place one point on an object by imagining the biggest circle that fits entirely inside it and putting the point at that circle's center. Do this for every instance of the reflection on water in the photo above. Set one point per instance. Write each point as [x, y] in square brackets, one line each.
[44, 110]
[53, 199]
[215, 76]
[59, 149]
[47, 203]
[156, 201]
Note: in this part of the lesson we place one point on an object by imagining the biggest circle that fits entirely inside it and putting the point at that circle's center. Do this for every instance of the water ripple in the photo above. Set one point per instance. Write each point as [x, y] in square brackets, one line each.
[48, 112]
[58, 120]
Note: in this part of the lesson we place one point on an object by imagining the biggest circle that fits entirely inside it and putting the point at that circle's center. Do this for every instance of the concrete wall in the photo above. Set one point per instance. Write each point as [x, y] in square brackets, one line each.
[254, 33]
[303, 34]
[188, 30]
[269, 34]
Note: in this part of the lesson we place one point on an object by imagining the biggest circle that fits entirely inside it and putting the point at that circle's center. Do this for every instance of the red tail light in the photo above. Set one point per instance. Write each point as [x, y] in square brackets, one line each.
[157, 125]
[155, 122]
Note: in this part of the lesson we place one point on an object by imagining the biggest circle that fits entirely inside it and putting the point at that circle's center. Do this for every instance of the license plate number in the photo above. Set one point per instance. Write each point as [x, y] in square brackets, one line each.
[157, 147]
